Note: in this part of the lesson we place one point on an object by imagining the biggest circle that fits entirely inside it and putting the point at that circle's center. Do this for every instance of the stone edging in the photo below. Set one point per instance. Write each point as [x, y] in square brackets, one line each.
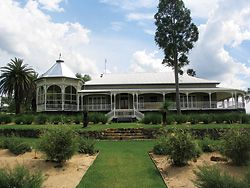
[162, 176]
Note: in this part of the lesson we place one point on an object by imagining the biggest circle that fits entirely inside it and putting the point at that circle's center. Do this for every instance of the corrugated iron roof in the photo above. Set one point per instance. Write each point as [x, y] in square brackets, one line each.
[146, 78]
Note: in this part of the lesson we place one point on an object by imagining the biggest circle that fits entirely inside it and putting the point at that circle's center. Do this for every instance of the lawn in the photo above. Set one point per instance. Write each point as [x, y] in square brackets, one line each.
[123, 164]
[99, 127]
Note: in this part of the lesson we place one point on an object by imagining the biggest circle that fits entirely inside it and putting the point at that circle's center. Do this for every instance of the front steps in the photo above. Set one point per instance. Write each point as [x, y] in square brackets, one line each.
[124, 134]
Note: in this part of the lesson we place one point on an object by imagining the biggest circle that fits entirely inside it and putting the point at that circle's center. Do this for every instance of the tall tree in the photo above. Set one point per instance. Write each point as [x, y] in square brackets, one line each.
[191, 72]
[175, 35]
[15, 80]
[84, 78]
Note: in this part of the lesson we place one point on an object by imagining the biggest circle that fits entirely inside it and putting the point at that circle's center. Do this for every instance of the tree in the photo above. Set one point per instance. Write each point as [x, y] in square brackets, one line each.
[165, 108]
[15, 80]
[84, 78]
[175, 35]
[191, 72]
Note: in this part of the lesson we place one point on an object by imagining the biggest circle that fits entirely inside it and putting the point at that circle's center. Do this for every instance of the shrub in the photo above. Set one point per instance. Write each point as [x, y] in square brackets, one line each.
[220, 118]
[86, 146]
[5, 119]
[233, 118]
[206, 118]
[236, 146]
[77, 119]
[103, 119]
[160, 148]
[194, 119]
[181, 147]
[28, 119]
[59, 144]
[180, 119]
[19, 120]
[66, 119]
[56, 119]
[245, 118]
[41, 119]
[170, 119]
[20, 177]
[207, 145]
[210, 176]
[4, 143]
[154, 118]
[16, 146]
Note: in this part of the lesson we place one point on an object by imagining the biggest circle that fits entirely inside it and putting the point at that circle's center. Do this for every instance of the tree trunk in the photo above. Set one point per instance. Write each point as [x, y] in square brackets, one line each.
[17, 100]
[178, 106]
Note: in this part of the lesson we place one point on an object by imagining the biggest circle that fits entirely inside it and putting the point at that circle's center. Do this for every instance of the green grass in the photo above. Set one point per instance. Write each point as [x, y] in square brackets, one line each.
[93, 127]
[123, 164]
[99, 127]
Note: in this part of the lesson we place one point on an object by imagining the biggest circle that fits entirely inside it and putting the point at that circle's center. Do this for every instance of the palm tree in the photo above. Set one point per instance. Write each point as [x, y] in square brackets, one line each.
[15, 80]
[164, 109]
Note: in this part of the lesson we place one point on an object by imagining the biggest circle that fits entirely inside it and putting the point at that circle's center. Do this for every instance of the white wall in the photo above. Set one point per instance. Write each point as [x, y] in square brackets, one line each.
[248, 107]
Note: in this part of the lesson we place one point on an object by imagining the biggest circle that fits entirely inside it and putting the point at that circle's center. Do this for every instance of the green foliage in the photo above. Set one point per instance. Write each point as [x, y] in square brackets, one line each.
[161, 147]
[59, 144]
[41, 119]
[77, 119]
[20, 177]
[19, 120]
[180, 147]
[236, 146]
[154, 118]
[16, 146]
[86, 146]
[231, 118]
[180, 119]
[220, 118]
[56, 119]
[170, 119]
[245, 118]
[15, 79]
[97, 118]
[5, 119]
[210, 176]
[28, 119]
[208, 145]
[207, 118]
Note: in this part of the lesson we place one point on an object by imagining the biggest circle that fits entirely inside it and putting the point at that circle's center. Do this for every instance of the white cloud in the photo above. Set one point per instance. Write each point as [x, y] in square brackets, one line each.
[116, 26]
[229, 25]
[140, 16]
[29, 33]
[201, 8]
[147, 62]
[51, 5]
[131, 4]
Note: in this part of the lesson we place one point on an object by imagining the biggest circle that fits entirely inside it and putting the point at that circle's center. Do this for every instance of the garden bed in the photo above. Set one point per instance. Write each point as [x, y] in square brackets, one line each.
[68, 176]
[176, 177]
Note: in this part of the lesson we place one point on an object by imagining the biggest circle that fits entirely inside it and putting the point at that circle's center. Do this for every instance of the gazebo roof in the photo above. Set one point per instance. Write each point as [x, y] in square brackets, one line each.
[59, 69]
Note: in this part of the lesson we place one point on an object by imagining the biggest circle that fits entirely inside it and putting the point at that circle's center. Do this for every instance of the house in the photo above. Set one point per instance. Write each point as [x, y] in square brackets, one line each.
[132, 94]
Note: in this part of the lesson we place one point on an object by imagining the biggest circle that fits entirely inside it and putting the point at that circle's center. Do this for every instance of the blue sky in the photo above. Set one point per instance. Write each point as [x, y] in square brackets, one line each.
[87, 32]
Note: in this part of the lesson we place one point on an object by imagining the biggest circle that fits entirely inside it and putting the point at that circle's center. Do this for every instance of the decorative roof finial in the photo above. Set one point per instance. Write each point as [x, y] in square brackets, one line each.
[60, 55]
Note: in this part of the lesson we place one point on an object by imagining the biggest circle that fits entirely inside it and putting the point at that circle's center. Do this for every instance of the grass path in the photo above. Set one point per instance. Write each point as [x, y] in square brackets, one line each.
[121, 165]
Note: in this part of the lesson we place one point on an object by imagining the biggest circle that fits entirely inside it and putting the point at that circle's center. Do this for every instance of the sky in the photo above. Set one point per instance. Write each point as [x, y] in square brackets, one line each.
[86, 32]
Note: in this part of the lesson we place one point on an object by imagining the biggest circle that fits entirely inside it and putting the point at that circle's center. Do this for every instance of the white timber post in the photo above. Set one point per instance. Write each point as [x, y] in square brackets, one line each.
[236, 99]
[233, 99]
[82, 102]
[228, 103]
[137, 102]
[163, 97]
[45, 97]
[210, 100]
[63, 91]
[77, 102]
[114, 103]
[133, 103]
[187, 100]
[111, 105]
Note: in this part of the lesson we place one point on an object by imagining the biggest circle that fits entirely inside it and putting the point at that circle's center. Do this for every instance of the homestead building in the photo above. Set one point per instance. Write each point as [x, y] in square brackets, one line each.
[132, 94]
